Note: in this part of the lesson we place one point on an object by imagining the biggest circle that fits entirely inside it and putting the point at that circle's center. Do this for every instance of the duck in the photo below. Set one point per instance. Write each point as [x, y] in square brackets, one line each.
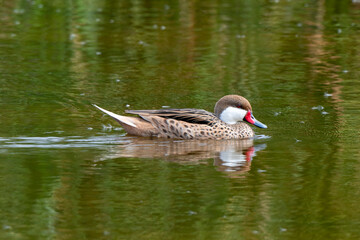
[232, 114]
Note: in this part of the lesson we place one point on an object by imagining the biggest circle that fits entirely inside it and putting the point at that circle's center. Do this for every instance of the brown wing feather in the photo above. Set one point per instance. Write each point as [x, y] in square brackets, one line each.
[190, 115]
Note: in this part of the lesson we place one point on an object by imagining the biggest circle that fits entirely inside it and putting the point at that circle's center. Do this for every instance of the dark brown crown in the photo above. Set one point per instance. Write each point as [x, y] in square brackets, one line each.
[231, 101]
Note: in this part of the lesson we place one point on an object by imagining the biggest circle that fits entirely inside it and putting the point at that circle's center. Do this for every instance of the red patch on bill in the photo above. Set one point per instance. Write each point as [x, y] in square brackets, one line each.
[248, 117]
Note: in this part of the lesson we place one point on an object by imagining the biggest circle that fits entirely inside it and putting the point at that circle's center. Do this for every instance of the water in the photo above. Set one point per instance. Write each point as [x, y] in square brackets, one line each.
[69, 172]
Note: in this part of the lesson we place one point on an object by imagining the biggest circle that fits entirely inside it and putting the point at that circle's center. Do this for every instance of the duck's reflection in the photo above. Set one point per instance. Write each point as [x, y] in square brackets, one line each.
[237, 159]
[229, 155]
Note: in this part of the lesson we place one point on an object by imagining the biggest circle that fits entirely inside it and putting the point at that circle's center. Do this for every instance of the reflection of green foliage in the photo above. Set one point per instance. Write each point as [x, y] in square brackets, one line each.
[57, 57]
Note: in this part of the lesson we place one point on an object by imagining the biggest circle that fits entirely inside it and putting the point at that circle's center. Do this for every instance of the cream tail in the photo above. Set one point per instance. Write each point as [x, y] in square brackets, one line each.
[120, 118]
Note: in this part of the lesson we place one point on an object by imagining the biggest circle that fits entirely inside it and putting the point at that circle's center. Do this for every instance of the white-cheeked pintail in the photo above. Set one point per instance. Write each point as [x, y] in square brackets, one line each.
[227, 122]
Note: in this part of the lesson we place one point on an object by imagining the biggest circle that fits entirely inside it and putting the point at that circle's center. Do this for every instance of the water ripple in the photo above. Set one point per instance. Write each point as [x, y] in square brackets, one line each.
[62, 142]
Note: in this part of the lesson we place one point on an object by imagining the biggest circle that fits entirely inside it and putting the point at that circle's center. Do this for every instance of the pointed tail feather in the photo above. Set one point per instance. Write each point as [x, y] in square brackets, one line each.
[120, 118]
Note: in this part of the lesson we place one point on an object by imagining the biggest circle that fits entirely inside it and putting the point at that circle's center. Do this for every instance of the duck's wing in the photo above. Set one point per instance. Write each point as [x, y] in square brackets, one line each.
[190, 115]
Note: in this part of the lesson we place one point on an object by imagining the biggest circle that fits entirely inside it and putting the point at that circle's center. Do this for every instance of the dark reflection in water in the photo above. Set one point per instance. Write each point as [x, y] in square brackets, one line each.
[233, 156]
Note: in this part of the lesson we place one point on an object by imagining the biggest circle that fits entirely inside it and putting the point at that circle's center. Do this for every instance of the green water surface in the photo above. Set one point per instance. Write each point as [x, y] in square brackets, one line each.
[69, 172]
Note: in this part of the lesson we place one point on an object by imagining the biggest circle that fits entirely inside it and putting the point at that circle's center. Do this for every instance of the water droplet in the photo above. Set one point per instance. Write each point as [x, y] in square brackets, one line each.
[345, 71]
[98, 53]
[298, 140]
[255, 232]
[19, 11]
[111, 21]
[17, 23]
[89, 128]
[82, 94]
[318, 108]
[155, 26]
[72, 36]
[324, 113]
[299, 24]
[261, 170]
[6, 227]
[283, 229]
[165, 106]
[327, 94]
[40, 6]
[240, 36]
[107, 127]
[97, 20]
[339, 31]
[262, 136]
[117, 80]
[127, 105]
[192, 213]
[162, 27]
[277, 113]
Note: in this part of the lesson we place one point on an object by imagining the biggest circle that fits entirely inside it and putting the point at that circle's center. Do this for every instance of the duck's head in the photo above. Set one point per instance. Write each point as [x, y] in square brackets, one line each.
[234, 108]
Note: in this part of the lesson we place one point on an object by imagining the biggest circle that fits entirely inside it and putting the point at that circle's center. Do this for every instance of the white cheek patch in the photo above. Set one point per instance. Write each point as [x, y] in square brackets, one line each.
[242, 114]
[232, 115]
